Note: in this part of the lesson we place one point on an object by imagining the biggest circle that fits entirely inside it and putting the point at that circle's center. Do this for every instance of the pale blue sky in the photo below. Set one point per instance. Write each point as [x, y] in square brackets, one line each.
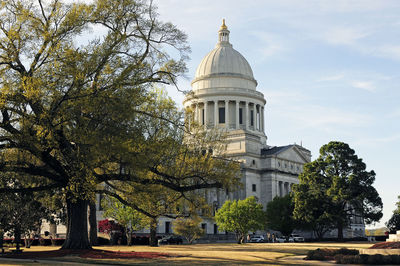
[329, 70]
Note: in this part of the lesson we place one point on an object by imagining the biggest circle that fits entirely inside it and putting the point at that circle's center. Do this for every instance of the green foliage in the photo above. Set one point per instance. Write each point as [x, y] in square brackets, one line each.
[189, 228]
[124, 215]
[78, 111]
[334, 188]
[21, 213]
[240, 216]
[279, 215]
[394, 223]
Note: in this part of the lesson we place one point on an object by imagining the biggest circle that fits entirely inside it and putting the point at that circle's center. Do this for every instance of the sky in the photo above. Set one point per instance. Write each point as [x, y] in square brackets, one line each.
[329, 70]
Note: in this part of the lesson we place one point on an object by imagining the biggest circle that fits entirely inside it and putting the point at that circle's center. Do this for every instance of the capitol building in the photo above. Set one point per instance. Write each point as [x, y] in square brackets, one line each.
[224, 95]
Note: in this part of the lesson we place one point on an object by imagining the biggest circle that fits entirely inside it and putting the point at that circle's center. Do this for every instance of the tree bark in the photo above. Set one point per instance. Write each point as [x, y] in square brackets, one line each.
[92, 224]
[77, 227]
[340, 231]
[17, 238]
[129, 236]
[153, 232]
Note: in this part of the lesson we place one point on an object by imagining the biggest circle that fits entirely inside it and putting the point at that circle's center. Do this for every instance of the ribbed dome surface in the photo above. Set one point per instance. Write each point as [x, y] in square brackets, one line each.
[224, 60]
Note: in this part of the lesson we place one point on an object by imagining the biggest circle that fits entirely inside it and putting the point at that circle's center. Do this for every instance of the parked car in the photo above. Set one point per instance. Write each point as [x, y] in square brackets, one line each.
[296, 238]
[280, 239]
[170, 240]
[257, 239]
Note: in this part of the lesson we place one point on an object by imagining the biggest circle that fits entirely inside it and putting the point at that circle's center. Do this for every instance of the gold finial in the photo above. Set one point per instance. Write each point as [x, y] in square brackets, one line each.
[223, 26]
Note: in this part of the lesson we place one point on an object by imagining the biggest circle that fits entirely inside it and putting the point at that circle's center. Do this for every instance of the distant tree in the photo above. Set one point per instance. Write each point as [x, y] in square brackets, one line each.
[338, 180]
[279, 215]
[189, 228]
[398, 206]
[21, 214]
[394, 223]
[240, 217]
[130, 219]
[311, 208]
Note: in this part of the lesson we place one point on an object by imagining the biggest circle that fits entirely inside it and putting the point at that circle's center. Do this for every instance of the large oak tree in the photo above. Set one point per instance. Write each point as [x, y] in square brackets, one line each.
[75, 100]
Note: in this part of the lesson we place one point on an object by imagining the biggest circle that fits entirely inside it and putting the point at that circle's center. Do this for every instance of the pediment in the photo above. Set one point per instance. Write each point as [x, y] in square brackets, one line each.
[292, 153]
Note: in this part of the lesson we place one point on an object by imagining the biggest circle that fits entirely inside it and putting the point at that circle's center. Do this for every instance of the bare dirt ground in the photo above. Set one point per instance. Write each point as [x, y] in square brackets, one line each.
[198, 254]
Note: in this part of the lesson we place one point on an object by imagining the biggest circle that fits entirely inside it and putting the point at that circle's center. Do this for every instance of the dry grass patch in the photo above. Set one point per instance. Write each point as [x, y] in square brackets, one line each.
[213, 254]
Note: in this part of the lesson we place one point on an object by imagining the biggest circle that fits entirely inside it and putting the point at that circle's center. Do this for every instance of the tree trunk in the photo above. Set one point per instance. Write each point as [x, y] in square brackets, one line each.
[340, 231]
[153, 232]
[92, 224]
[77, 227]
[17, 238]
[129, 236]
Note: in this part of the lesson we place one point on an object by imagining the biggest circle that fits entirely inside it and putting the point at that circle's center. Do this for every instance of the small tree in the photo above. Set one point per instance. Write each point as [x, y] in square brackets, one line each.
[279, 215]
[130, 219]
[394, 223]
[188, 228]
[240, 216]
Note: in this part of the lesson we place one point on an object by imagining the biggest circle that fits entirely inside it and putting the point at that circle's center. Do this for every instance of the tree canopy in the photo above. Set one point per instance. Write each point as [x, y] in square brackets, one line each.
[336, 188]
[279, 215]
[75, 106]
[393, 224]
[189, 228]
[240, 217]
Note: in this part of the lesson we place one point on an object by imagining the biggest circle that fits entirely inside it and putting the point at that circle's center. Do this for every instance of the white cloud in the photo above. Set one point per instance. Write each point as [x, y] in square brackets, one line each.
[364, 85]
[389, 51]
[344, 35]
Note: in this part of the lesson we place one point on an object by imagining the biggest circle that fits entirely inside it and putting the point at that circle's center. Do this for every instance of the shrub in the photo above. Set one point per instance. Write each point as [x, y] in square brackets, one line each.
[318, 254]
[347, 259]
[103, 241]
[376, 259]
[345, 251]
[329, 254]
[395, 259]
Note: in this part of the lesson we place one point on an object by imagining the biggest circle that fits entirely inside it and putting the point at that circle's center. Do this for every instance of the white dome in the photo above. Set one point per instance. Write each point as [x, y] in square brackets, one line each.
[224, 67]
[224, 60]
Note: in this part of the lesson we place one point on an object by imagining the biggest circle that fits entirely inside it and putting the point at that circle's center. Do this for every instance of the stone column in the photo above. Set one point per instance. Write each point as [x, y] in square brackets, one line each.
[205, 114]
[215, 113]
[237, 115]
[196, 112]
[262, 119]
[227, 114]
[255, 117]
[247, 116]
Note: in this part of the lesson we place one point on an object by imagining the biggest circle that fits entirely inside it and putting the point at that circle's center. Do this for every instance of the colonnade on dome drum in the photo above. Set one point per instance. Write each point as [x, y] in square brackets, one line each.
[230, 114]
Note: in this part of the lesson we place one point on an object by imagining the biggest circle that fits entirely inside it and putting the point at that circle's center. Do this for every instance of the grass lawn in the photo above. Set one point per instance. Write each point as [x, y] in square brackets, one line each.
[209, 254]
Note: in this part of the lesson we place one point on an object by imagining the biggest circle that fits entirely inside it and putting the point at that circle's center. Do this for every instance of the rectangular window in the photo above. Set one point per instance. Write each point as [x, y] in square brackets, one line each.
[204, 227]
[167, 227]
[251, 118]
[240, 116]
[202, 115]
[215, 229]
[221, 115]
[254, 188]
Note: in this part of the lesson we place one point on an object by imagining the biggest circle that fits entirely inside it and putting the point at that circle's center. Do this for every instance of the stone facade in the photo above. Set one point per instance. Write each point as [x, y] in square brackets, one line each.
[224, 95]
